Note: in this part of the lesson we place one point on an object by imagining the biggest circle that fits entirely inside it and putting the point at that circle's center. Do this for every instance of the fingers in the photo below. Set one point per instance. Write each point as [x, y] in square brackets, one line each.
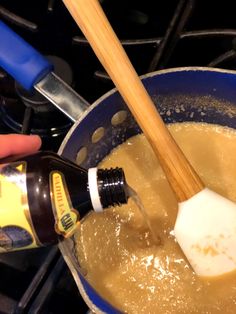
[13, 144]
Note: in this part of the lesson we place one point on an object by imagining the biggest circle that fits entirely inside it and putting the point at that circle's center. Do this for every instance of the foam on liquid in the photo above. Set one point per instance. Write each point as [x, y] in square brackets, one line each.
[116, 248]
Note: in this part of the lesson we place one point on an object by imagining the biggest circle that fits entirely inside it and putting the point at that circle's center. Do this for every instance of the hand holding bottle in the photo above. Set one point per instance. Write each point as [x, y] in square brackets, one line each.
[14, 144]
[43, 196]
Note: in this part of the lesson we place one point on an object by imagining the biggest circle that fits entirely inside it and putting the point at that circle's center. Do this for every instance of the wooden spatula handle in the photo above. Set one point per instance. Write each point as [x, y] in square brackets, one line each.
[92, 21]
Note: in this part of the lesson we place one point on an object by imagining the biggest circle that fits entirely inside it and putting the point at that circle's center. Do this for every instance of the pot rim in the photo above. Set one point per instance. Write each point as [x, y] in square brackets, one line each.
[144, 76]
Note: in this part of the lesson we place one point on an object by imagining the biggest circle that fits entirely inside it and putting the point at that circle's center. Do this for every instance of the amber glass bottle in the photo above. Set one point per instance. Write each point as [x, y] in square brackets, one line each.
[44, 196]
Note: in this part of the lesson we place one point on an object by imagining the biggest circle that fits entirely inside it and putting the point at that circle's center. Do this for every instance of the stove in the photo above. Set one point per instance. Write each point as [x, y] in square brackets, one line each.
[155, 35]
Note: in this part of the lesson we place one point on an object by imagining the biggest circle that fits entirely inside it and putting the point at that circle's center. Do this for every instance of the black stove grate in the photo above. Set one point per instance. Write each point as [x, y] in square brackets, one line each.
[156, 35]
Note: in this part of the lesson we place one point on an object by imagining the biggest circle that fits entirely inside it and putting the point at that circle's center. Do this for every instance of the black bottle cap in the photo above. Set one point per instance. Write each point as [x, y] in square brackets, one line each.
[112, 187]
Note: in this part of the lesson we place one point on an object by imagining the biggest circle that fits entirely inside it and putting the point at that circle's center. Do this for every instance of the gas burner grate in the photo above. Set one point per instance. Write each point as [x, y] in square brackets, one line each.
[168, 36]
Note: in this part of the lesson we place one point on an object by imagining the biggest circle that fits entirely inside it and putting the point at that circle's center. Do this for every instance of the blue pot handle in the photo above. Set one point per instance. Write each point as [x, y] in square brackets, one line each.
[20, 60]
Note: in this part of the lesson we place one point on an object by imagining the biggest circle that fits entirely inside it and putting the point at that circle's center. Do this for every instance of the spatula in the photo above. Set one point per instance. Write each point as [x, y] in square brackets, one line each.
[206, 222]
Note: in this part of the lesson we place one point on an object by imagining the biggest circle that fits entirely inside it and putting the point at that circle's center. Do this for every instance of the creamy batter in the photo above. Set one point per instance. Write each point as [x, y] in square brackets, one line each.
[116, 248]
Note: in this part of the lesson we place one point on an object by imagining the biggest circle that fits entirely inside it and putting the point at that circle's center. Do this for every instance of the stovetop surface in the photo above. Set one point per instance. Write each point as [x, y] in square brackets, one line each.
[156, 35]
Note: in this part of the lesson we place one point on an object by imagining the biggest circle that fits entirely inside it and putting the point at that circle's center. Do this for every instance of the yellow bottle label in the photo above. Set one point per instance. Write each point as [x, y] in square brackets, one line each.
[66, 218]
[16, 228]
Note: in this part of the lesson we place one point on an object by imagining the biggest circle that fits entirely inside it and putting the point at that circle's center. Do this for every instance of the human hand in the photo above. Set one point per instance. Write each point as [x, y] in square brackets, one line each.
[14, 144]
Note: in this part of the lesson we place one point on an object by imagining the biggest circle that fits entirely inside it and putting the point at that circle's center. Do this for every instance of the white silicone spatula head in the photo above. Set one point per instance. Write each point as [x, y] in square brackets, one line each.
[183, 179]
[206, 231]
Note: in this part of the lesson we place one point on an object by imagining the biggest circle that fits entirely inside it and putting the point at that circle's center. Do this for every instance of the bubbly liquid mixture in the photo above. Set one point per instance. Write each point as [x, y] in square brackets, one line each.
[116, 248]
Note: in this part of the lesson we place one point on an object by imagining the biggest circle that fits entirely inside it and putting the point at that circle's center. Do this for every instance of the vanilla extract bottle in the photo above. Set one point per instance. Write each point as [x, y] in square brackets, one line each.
[44, 196]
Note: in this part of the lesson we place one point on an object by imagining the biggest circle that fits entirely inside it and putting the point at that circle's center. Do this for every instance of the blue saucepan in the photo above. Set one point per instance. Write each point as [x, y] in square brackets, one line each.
[180, 94]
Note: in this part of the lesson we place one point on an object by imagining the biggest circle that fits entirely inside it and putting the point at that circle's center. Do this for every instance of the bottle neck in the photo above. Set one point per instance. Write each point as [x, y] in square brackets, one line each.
[107, 187]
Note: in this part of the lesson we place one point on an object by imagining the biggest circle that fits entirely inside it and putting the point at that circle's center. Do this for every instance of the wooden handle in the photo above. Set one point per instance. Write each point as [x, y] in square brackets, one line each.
[92, 21]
